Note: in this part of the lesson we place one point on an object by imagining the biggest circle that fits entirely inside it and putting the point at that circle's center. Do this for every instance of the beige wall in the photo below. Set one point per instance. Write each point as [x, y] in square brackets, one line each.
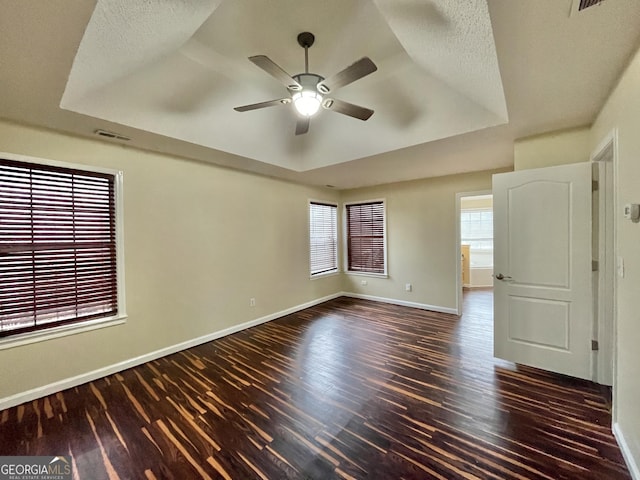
[421, 238]
[622, 113]
[555, 148]
[199, 242]
[481, 201]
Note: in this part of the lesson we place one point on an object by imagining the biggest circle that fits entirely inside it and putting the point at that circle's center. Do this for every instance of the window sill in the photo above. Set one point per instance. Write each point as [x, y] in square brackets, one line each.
[367, 274]
[61, 331]
[325, 274]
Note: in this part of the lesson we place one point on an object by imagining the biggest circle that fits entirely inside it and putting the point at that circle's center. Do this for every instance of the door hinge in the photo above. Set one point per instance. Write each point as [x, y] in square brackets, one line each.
[594, 345]
[594, 185]
[594, 265]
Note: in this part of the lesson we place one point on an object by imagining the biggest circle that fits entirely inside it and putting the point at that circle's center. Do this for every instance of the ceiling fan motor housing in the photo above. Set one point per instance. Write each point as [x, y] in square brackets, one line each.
[309, 81]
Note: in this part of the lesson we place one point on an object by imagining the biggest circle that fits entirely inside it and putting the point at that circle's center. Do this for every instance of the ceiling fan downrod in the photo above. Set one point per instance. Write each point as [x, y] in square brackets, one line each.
[305, 40]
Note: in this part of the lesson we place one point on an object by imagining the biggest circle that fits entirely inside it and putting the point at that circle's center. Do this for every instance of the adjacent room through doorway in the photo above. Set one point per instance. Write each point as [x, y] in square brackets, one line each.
[476, 241]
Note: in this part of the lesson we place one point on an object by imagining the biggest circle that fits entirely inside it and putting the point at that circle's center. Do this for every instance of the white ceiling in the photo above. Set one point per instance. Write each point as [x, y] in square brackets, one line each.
[168, 74]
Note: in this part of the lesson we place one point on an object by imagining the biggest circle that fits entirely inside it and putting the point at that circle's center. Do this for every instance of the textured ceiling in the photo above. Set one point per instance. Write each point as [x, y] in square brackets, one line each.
[167, 73]
[179, 72]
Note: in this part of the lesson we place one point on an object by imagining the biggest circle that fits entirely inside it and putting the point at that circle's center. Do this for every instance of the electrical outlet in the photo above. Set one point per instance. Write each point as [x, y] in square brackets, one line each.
[408, 287]
[252, 302]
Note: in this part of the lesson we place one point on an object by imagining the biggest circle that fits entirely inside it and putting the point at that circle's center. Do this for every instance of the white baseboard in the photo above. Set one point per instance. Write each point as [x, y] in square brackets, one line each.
[404, 303]
[632, 464]
[60, 385]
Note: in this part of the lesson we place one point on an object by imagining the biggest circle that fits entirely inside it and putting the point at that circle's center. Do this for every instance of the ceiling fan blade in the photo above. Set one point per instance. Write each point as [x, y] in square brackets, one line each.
[302, 125]
[276, 72]
[353, 72]
[270, 103]
[347, 108]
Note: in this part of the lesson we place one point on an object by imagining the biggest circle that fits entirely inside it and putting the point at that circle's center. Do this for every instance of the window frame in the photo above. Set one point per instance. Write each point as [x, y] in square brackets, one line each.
[336, 270]
[120, 317]
[347, 250]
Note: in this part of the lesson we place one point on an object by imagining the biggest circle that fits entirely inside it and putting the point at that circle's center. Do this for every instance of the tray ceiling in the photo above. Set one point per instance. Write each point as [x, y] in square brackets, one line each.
[177, 69]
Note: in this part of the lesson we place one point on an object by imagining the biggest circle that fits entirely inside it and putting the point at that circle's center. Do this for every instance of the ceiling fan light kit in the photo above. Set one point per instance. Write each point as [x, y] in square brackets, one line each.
[307, 102]
[308, 91]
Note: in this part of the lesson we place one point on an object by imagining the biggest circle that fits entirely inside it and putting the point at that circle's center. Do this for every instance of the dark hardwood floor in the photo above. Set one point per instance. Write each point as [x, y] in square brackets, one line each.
[348, 389]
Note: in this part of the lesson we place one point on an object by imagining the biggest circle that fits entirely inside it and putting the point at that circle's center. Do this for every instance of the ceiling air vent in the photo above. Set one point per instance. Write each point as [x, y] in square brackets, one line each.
[116, 136]
[588, 3]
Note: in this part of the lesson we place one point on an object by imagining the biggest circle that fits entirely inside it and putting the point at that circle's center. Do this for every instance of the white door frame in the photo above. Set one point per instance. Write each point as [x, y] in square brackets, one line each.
[605, 159]
[458, 244]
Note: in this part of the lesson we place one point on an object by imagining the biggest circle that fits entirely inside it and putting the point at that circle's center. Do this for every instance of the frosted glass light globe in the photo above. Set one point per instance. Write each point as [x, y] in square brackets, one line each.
[307, 102]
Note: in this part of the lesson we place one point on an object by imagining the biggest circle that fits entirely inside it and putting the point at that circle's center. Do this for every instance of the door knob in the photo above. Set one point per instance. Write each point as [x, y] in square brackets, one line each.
[502, 277]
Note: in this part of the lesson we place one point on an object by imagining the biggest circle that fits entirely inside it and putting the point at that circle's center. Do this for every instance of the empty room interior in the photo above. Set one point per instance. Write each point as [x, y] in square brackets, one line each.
[311, 240]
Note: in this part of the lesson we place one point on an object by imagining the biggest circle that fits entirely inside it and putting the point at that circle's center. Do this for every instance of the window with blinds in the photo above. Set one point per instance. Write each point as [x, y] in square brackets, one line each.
[323, 238]
[366, 237]
[57, 246]
[476, 230]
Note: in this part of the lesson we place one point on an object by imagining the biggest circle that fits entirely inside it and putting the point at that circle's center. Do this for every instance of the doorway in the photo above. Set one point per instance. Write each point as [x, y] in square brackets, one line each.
[474, 242]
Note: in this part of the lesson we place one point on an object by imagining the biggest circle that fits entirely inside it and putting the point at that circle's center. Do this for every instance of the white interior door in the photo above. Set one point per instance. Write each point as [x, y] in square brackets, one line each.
[542, 255]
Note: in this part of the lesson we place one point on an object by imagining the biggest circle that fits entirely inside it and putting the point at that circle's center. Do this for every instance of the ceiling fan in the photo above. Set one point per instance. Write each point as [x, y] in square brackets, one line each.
[309, 91]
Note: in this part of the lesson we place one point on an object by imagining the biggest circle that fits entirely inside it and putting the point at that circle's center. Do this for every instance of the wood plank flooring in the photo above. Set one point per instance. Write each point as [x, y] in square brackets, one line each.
[349, 389]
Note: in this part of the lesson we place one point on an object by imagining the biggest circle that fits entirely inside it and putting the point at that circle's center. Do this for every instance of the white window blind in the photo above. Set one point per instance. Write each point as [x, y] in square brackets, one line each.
[323, 238]
[57, 246]
[476, 230]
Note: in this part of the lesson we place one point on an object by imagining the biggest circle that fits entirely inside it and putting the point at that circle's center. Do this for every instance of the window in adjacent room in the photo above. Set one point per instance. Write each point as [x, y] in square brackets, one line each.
[476, 230]
[323, 238]
[58, 252]
[366, 245]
